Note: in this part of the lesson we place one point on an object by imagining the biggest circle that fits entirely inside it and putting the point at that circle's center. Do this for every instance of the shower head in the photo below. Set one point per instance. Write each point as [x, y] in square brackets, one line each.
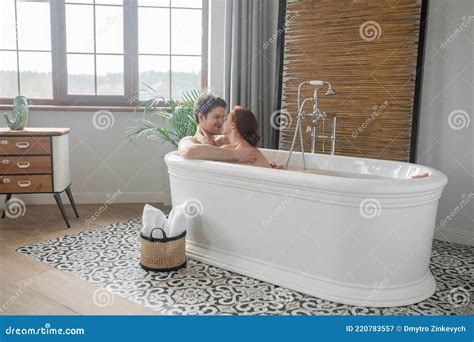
[330, 91]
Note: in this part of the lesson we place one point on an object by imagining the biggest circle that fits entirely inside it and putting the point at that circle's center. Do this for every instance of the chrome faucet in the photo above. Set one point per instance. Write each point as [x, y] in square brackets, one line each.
[316, 115]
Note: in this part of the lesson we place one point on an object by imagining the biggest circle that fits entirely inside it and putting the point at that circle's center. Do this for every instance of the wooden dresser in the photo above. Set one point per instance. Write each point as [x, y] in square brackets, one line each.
[35, 160]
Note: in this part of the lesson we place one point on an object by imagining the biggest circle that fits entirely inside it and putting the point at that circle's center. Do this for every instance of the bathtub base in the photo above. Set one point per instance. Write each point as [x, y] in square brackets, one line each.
[315, 286]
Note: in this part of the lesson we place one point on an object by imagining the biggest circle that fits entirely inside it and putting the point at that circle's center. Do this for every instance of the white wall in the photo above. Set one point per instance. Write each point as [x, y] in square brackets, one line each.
[448, 87]
[103, 162]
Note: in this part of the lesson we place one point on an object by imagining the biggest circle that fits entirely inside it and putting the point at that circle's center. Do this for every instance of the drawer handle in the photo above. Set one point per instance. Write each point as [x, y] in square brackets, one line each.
[6, 180]
[23, 165]
[24, 184]
[6, 161]
[22, 144]
[4, 142]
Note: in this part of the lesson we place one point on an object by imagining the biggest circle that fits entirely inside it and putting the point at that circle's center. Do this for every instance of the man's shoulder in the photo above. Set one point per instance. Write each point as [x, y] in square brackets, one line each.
[187, 142]
[189, 139]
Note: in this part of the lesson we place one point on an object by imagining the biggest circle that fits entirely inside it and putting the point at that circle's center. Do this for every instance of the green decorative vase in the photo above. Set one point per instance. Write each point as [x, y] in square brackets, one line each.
[20, 114]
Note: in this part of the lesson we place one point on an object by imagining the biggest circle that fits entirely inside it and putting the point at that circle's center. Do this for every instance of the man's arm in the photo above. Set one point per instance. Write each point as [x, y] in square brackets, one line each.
[221, 140]
[190, 148]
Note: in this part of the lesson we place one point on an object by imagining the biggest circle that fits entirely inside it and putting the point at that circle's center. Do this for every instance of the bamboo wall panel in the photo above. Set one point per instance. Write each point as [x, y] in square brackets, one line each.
[368, 51]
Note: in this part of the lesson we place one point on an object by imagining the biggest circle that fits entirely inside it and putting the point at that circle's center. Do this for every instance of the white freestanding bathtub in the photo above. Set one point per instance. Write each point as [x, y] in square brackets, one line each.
[361, 238]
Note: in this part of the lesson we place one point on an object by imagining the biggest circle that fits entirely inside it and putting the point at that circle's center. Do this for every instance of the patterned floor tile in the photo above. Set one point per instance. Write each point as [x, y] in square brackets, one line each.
[108, 257]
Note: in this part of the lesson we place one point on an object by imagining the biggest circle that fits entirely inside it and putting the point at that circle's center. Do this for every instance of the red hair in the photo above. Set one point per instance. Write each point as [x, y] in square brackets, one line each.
[246, 124]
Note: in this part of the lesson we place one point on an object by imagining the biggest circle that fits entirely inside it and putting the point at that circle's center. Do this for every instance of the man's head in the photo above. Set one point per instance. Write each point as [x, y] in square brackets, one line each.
[209, 111]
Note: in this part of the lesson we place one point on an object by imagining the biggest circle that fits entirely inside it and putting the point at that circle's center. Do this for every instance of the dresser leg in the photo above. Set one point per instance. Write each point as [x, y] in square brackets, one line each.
[5, 206]
[71, 200]
[57, 197]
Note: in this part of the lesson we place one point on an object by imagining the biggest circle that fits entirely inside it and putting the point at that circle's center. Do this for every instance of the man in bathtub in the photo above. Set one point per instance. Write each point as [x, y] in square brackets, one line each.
[238, 142]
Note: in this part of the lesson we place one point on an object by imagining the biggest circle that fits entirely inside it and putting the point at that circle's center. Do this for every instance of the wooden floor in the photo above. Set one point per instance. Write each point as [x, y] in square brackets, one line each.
[28, 287]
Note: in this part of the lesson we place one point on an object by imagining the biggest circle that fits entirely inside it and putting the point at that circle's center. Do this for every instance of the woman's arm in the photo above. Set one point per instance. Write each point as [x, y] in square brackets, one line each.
[190, 148]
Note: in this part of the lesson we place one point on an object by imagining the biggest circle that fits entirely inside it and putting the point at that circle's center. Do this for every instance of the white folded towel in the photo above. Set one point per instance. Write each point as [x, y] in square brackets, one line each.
[155, 218]
[152, 218]
[176, 223]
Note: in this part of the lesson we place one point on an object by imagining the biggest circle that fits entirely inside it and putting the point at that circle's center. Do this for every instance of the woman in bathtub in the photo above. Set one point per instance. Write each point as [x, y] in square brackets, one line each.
[241, 130]
[239, 138]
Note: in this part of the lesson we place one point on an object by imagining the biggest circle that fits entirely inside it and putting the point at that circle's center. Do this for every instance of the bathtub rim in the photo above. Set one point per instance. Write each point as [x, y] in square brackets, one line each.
[327, 183]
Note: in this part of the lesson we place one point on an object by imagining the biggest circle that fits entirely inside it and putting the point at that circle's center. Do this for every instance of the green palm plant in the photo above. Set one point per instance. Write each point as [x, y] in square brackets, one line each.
[178, 117]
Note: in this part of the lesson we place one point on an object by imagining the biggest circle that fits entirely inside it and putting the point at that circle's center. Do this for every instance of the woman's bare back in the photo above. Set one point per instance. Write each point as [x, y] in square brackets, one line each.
[261, 160]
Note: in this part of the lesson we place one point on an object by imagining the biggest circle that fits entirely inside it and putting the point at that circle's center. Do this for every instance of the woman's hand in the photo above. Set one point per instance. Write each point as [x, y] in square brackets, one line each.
[204, 137]
[422, 175]
[277, 166]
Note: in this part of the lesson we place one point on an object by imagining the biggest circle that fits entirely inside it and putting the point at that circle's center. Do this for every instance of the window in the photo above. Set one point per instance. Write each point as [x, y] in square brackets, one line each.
[102, 51]
[94, 48]
[171, 61]
[25, 49]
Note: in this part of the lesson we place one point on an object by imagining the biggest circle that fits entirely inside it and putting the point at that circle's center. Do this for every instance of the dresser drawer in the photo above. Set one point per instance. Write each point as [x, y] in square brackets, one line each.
[25, 164]
[26, 183]
[25, 145]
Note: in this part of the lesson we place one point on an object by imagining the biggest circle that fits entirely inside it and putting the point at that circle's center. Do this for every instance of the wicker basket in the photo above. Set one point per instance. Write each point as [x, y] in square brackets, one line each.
[163, 254]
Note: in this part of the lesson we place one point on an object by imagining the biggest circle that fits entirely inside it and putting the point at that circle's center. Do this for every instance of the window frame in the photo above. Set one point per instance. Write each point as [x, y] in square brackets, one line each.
[130, 53]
